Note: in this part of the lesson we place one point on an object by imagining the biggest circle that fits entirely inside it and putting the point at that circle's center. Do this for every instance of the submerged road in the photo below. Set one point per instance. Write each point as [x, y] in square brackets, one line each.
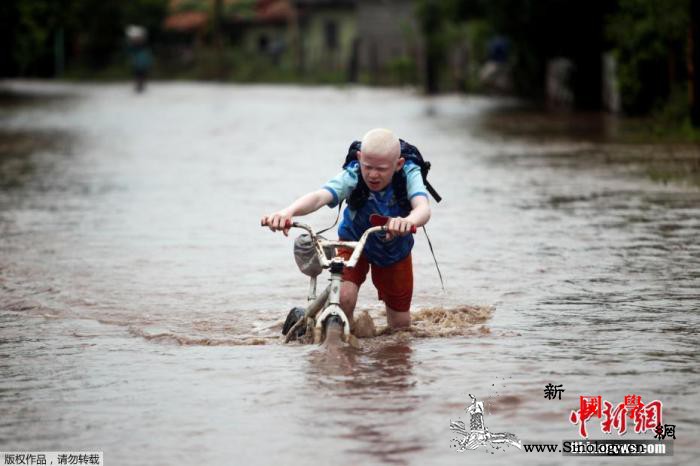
[141, 303]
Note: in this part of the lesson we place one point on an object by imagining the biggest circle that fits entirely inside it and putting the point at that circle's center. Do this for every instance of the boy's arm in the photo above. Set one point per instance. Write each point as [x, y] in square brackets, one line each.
[306, 204]
[419, 216]
[420, 211]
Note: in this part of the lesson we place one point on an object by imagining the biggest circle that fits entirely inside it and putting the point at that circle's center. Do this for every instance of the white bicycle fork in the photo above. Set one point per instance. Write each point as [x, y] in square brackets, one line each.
[332, 309]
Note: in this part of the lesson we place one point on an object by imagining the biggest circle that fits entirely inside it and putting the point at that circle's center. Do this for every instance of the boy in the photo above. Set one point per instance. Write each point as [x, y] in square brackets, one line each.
[389, 257]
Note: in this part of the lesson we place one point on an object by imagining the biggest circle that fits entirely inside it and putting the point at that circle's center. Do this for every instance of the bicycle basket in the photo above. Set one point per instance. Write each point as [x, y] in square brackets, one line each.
[306, 257]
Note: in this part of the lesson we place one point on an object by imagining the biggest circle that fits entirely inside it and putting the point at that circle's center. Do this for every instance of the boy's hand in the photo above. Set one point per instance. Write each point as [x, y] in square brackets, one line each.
[281, 220]
[398, 226]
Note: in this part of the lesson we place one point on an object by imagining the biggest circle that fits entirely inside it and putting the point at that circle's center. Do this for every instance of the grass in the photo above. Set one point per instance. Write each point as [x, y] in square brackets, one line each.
[665, 151]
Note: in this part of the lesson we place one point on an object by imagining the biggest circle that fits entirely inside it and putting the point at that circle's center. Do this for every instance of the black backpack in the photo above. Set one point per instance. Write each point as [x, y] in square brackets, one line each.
[410, 153]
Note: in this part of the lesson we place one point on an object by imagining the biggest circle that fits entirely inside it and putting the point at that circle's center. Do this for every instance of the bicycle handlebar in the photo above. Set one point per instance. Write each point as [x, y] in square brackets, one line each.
[379, 223]
[356, 246]
[375, 221]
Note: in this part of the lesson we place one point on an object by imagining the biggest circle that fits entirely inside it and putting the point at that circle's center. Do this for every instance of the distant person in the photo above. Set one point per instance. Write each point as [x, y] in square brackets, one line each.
[139, 55]
[379, 177]
[560, 95]
[498, 49]
[495, 74]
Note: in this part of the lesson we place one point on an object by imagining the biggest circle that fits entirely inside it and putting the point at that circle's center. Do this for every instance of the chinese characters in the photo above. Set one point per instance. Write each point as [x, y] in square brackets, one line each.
[643, 416]
[553, 391]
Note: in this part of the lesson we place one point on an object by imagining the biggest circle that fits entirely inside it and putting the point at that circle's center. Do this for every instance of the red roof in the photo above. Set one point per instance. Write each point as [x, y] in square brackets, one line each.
[274, 10]
[263, 11]
[185, 21]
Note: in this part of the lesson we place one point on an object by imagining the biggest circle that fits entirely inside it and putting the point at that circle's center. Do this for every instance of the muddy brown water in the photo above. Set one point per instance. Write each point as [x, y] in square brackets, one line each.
[141, 302]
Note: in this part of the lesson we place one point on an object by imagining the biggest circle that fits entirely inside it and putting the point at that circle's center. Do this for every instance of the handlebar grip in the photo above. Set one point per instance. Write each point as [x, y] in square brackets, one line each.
[288, 223]
[381, 220]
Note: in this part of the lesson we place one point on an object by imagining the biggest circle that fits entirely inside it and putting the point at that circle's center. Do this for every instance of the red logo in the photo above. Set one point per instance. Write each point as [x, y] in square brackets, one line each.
[644, 416]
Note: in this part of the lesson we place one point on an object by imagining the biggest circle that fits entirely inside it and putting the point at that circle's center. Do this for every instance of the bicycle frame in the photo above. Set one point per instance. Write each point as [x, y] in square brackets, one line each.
[328, 302]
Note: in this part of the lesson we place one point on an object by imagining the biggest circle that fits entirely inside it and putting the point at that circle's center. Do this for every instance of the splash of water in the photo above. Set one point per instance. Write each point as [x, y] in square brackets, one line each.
[448, 322]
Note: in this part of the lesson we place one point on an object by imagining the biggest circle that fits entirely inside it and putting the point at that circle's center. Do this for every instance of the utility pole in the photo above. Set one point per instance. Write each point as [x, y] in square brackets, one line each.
[218, 39]
[59, 58]
[693, 60]
[431, 26]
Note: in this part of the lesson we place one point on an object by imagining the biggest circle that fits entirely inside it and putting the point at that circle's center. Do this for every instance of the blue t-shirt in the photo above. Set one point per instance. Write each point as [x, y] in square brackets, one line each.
[377, 250]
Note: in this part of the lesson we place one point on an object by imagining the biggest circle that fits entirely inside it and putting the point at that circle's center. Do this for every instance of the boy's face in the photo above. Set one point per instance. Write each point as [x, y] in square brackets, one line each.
[378, 169]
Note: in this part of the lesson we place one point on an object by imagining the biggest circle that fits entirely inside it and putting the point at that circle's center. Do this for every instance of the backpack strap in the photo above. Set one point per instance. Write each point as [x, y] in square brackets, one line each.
[352, 153]
[430, 244]
[360, 194]
[432, 191]
[411, 152]
[340, 206]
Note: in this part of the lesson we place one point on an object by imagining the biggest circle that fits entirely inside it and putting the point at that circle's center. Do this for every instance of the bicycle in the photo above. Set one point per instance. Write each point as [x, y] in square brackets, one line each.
[323, 311]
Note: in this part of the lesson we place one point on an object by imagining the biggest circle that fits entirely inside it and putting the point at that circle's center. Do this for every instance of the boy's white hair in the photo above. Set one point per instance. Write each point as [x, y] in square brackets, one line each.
[380, 141]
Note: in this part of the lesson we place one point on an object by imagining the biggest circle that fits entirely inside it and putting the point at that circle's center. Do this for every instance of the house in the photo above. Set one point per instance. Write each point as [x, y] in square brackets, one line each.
[389, 37]
[341, 38]
[375, 39]
[184, 30]
[327, 32]
[253, 27]
[265, 28]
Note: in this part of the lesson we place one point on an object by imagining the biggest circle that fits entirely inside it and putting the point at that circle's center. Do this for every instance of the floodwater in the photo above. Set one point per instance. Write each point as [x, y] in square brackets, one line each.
[141, 302]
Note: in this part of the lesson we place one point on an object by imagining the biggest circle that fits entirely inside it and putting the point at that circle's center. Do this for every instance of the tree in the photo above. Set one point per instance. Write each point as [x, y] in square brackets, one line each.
[650, 40]
[93, 31]
[432, 15]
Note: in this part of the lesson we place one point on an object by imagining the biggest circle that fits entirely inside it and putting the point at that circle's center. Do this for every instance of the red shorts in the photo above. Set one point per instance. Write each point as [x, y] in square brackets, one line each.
[394, 283]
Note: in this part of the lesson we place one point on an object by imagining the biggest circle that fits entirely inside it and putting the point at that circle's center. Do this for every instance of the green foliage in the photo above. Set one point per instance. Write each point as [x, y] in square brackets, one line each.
[32, 35]
[93, 31]
[649, 37]
[674, 110]
[147, 13]
[102, 38]
[232, 65]
[648, 26]
[243, 9]
[538, 30]
[432, 17]
[403, 70]
[668, 122]
[193, 5]
[478, 32]
[28, 29]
